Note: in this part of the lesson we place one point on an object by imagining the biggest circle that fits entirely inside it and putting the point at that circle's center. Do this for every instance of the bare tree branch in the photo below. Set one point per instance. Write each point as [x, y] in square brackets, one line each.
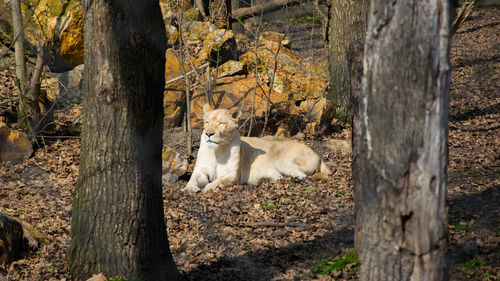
[189, 138]
[195, 69]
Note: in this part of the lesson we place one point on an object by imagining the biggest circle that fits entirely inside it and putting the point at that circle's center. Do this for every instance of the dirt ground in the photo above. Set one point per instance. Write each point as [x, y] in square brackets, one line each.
[213, 236]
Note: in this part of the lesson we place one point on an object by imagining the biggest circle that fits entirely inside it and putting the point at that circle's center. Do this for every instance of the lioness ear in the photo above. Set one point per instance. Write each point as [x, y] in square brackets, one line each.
[235, 113]
[207, 108]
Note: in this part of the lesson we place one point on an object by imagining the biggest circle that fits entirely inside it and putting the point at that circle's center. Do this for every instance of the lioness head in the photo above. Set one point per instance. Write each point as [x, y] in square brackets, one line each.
[220, 125]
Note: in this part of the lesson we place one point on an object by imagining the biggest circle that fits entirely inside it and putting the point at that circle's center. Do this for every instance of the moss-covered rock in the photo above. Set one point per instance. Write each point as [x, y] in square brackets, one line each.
[246, 92]
[219, 47]
[174, 165]
[15, 146]
[229, 68]
[7, 33]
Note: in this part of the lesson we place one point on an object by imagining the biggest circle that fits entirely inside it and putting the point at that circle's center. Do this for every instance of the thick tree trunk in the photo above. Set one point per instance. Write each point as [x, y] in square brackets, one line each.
[402, 158]
[118, 226]
[346, 24]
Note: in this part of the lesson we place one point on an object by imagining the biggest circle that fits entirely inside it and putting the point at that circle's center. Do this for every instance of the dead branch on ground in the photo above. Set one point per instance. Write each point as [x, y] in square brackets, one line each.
[277, 224]
[270, 6]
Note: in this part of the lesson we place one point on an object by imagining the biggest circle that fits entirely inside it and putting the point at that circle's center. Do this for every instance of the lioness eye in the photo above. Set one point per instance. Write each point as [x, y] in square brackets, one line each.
[222, 123]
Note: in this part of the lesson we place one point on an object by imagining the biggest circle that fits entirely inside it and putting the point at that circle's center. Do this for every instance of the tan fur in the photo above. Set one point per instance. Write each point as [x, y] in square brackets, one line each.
[225, 158]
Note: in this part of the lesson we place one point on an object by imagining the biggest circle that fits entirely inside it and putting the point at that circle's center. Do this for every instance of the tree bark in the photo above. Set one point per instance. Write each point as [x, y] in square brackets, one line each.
[33, 91]
[19, 49]
[346, 24]
[118, 226]
[402, 158]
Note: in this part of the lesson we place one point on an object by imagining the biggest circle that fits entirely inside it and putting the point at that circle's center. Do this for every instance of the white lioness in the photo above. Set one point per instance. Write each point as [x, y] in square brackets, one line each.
[225, 158]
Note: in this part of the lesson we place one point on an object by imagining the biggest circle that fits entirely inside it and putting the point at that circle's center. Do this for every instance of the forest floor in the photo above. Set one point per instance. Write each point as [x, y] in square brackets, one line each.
[213, 236]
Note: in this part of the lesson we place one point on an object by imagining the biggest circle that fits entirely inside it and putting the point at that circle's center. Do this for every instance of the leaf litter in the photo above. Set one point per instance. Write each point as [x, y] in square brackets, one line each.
[283, 230]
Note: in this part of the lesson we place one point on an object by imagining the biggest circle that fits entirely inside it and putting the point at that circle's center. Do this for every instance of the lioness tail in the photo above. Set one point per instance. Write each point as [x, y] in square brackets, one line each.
[323, 172]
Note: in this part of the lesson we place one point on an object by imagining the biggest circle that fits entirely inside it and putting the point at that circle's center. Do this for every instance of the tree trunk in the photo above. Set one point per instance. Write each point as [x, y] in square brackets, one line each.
[346, 24]
[17, 25]
[33, 91]
[28, 111]
[200, 5]
[400, 176]
[118, 226]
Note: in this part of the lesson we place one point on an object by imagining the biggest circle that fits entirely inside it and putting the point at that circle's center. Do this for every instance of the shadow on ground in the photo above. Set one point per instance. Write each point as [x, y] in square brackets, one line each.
[267, 264]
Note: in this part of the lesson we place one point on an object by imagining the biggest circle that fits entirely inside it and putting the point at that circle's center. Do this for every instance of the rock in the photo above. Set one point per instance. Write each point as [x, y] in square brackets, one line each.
[62, 91]
[174, 165]
[219, 46]
[14, 146]
[238, 91]
[168, 13]
[60, 23]
[7, 32]
[50, 85]
[70, 84]
[290, 77]
[270, 56]
[49, 19]
[172, 34]
[197, 30]
[171, 10]
[192, 14]
[173, 102]
[34, 238]
[229, 68]
[271, 36]
[71, 38]
[318, 114]
[299, 86]
[52, 18]
[12, 243]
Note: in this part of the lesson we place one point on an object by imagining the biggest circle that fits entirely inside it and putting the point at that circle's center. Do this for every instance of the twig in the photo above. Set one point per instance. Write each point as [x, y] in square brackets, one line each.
[277, 224]
[57, 137]
[7, 100]
[462, 13]
[189, 139]
[256, 52]
[188, 73]
[271, 84]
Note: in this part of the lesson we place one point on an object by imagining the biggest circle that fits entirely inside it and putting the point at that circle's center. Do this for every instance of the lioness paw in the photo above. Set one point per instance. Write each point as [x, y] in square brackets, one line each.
[298, 175]
[210, 186]
[190, 188]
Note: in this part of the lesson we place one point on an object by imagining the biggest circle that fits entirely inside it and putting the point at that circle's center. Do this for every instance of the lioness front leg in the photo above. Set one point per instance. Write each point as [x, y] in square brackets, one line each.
[198, 179]
[227, 180]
